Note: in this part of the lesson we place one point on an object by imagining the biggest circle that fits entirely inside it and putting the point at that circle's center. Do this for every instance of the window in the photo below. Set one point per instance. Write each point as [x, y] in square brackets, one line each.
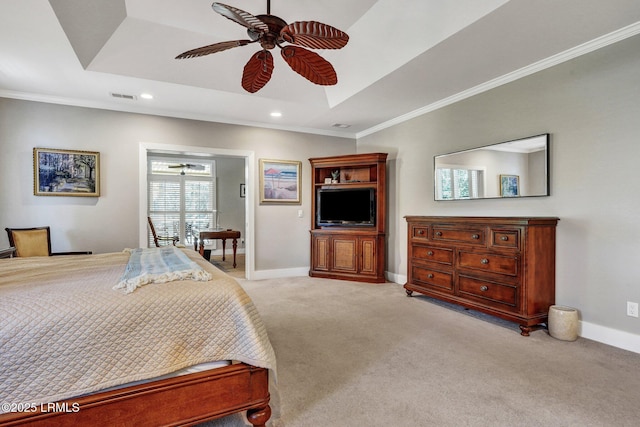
[181, 196]
[459, 183]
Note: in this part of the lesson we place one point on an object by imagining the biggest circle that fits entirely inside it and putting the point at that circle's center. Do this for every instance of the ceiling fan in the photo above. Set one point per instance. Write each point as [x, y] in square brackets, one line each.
[184, 166]
[271, 31]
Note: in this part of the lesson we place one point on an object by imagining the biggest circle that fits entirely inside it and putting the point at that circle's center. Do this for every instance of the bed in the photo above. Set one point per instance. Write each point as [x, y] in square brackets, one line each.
[76, 351]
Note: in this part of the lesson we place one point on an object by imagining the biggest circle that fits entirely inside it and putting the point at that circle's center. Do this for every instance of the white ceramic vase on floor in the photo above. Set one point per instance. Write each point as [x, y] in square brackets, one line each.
[563, 323]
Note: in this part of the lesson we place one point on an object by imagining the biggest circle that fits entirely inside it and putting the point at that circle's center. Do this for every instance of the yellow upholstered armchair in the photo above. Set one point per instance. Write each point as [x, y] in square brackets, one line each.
[35, 241]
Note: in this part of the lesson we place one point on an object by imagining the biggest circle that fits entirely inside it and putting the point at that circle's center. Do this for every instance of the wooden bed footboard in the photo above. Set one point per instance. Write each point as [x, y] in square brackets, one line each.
[185, 400]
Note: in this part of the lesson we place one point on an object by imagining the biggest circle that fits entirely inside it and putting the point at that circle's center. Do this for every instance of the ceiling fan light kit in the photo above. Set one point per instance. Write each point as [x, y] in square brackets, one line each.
[271, 31]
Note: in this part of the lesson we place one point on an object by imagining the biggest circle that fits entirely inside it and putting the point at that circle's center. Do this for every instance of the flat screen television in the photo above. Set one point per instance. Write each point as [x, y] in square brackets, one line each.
[346, 207]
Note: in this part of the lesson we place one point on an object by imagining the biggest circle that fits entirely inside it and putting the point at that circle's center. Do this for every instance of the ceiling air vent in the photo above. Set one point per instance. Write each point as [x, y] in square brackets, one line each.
[341, 126]
[124, 96]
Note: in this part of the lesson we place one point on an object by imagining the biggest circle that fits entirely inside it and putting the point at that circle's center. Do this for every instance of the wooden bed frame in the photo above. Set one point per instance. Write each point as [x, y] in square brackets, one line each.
[185, 400]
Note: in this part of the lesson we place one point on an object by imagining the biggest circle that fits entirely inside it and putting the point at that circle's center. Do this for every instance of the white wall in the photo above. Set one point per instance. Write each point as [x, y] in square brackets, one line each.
[591, 108]
[231, 212]
[111, 222]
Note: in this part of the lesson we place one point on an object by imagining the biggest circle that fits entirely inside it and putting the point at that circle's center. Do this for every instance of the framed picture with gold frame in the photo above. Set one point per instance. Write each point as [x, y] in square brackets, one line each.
[66, 173]
[280, 182]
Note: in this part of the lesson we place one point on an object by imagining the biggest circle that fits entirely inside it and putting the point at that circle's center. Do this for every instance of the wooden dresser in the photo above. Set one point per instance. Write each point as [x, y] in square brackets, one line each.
[504, 266]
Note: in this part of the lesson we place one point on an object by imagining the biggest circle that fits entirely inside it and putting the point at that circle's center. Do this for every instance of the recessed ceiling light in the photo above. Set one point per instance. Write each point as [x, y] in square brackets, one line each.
[276, 114]
[146, 96]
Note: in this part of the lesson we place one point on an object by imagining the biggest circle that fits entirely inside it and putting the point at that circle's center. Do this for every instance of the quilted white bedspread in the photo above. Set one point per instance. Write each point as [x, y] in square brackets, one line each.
[64, 330]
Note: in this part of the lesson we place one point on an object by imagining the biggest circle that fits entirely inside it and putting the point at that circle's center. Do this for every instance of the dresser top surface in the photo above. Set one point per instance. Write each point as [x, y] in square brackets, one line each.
[484, 219]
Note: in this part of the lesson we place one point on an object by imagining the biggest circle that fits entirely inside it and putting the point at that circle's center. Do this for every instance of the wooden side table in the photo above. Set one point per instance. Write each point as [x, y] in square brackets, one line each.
[215, 234]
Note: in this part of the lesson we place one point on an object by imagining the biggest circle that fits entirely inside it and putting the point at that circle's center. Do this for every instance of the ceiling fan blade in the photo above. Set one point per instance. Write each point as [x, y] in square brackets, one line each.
[194, 167]
[257, 72]
[315, 35]
[187, 166]
[212, 48]
[241, 17]
[310, 65]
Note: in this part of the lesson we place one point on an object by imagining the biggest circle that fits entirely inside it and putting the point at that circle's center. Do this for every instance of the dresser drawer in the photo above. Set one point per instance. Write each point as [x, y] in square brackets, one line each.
[419, 231]
[471, 235]
[505, 238]
[493, 263]
[495, 294]
[431, 254]
[433, 278]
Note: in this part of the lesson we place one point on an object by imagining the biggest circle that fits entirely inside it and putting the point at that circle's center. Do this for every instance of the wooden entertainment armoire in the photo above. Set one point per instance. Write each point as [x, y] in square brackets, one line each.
[343, 251]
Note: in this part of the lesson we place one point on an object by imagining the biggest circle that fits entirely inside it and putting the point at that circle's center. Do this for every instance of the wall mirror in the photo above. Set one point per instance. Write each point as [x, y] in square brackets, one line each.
[518, 168]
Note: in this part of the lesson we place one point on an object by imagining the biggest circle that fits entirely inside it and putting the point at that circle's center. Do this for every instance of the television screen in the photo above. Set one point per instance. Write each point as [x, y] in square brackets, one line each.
[354, 206]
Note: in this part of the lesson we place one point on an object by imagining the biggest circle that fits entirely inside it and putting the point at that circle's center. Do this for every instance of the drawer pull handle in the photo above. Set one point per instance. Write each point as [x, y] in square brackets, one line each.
[430, 253]
[484, 261]
[504, 238]
[430, 276]
[438, 233]
[484, 288]
[475, 236]
[420, 232]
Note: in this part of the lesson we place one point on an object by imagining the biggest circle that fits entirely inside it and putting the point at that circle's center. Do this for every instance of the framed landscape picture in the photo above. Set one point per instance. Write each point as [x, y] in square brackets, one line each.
[509, 185]
[66, 173]
[280, 181]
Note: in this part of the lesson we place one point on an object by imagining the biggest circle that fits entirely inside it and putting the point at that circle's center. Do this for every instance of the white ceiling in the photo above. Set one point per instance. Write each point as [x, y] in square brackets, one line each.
[404, 57]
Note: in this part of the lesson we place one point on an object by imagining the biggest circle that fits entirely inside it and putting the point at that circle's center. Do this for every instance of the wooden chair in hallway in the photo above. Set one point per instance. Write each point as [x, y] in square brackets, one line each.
[157, 239]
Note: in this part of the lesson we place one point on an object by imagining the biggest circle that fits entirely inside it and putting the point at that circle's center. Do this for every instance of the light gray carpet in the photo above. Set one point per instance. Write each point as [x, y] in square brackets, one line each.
[227, 265]
[352, 354]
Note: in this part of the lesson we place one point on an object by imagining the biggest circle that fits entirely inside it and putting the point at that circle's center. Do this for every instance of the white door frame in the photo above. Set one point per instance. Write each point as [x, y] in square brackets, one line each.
[249, 174]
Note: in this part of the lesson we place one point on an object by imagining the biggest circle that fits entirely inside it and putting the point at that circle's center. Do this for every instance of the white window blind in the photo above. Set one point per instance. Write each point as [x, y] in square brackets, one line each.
[458, 183]
[180, 199]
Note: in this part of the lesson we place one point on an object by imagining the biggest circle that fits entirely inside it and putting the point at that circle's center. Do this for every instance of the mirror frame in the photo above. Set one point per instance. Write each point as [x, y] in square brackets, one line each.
[503, 179]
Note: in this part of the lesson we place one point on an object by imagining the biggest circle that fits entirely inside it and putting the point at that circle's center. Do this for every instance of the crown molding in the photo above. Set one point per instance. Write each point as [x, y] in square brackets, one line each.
[85, 103]
[583, 49]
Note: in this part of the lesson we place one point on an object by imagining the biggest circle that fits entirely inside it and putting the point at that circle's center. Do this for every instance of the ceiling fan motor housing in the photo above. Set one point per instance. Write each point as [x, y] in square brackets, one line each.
[272, 38]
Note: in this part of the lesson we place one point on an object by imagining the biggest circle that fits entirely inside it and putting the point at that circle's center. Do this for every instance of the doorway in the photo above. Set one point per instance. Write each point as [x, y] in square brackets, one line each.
[248, 158]
[181, 195]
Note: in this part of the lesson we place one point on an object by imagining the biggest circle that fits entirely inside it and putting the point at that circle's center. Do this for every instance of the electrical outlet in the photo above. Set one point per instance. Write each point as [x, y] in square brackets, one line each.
[632, 309]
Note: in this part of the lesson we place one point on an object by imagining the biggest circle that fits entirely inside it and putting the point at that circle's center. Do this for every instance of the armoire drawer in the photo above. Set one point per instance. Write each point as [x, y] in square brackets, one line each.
[436, 279]
[492, 263]
[431, 254]
[500, 295]
[467, 235]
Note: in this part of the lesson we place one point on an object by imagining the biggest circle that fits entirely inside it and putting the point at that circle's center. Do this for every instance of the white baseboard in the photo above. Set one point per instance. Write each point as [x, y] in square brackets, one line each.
[609, 336]
[396, 278]
[304, 271]
[279, 273]
[226, 252]
[601, 334]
